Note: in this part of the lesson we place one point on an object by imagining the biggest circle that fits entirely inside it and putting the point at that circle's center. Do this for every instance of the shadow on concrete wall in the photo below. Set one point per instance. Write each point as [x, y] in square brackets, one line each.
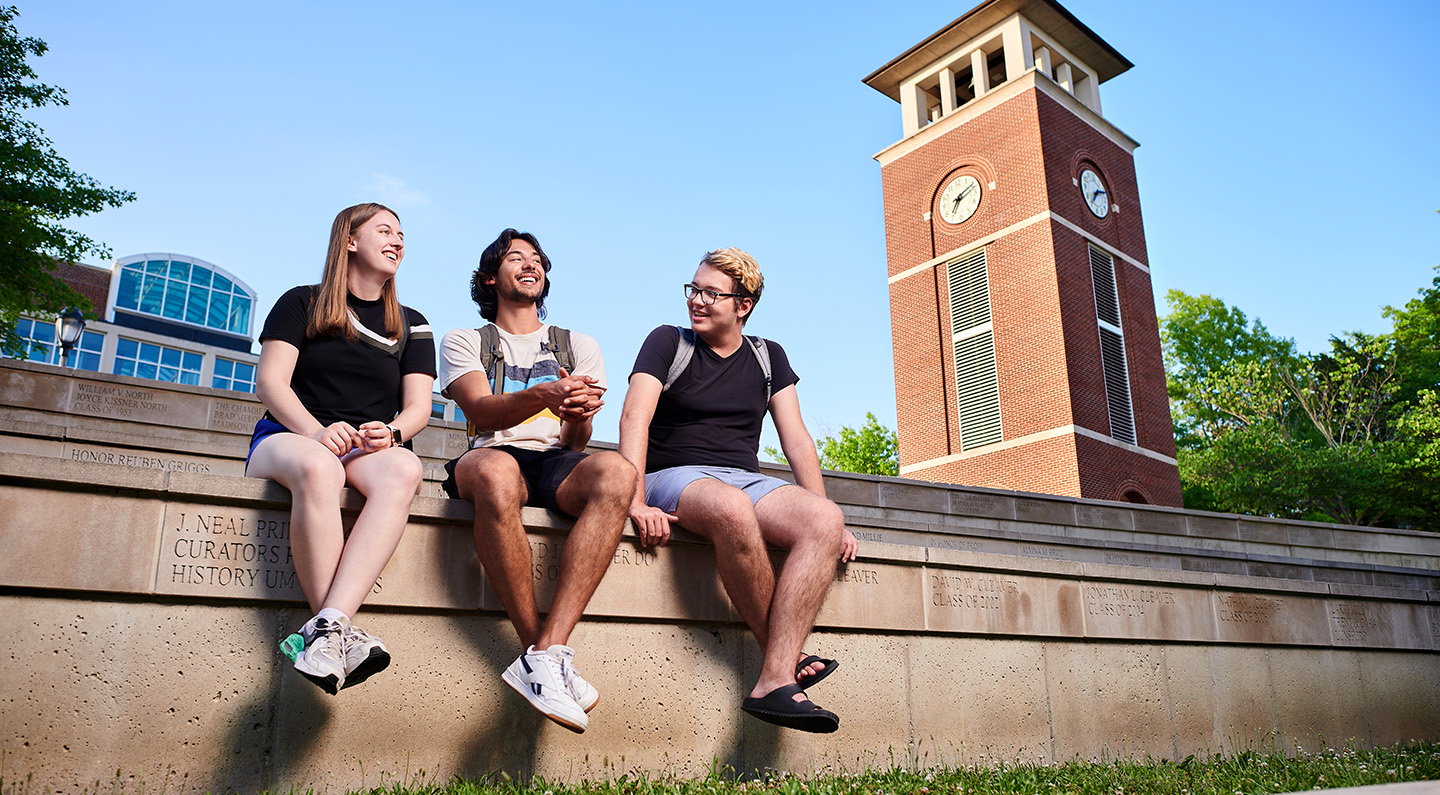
[267, 719]
[753, 745]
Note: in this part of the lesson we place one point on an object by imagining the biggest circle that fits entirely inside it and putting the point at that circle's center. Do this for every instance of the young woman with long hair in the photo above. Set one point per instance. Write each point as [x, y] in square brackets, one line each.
[346, 375]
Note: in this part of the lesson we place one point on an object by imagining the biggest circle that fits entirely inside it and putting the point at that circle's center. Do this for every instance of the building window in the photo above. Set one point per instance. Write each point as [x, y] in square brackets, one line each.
[977, 384]
[189, 292]
[40, 345]
[437, 410]
[157, 362]
[1112, 346]
[239, 376]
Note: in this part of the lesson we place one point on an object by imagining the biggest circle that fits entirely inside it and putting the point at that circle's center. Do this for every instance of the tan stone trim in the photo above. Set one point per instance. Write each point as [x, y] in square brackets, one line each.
[997, 96]
[1005, 91]
[1100, 244]
[1011, 229]
[1064, 430]
[971, 246]
[1073, 104]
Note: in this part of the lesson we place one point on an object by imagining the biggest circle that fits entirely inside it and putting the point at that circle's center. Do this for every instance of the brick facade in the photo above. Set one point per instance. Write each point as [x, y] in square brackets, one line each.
[1031, 149]
[89, 281]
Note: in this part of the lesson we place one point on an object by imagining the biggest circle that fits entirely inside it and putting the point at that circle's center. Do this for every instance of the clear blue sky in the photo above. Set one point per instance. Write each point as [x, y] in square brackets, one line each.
[1287, 163]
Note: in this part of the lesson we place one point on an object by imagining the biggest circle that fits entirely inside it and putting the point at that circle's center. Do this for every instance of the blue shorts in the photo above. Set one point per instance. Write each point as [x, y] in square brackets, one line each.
[263, 428]
[662, 489]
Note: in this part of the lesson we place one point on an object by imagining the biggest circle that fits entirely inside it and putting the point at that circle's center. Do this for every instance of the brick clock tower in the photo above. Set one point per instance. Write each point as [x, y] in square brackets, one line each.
[1027, 353]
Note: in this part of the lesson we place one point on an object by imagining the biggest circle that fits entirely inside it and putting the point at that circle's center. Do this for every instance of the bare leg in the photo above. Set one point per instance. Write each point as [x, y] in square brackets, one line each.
[389, 479]
[490, 480]
[725, 515]
[810, 527]
[314, 477]
[598, 492]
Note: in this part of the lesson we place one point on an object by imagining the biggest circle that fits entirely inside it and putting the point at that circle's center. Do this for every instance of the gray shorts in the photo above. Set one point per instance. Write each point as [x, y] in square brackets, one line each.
[662, 489]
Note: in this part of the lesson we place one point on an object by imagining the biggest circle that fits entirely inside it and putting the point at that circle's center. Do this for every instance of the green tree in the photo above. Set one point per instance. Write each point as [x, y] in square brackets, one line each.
[1221, 369]
[38, 190]
[871, 450]
[1420, 471]
[1348, 435]
[1417, 342]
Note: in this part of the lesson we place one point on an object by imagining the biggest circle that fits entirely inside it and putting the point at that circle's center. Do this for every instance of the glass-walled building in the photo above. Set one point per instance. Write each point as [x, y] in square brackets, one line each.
[166, 317]
[161, 316]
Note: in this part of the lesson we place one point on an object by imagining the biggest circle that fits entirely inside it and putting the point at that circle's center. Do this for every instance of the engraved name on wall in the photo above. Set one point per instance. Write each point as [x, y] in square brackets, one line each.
[139, 404]
[1118, 610]
[965, 601]
[227, 415]
[210, 550]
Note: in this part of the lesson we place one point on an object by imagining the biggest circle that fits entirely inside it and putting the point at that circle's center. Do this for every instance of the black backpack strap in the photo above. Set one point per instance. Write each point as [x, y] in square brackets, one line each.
[684, 351]
[762, 353]
[560, 348]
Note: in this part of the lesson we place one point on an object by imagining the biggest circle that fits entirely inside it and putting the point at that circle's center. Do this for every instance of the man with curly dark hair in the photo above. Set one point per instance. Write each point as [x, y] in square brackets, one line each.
[531, 419]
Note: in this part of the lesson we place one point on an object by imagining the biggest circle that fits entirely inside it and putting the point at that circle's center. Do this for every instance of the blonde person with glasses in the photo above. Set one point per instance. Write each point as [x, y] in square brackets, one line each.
[691, 422]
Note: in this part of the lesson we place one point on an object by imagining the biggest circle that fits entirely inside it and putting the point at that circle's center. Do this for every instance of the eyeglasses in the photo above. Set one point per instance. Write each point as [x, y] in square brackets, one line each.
[708, 297]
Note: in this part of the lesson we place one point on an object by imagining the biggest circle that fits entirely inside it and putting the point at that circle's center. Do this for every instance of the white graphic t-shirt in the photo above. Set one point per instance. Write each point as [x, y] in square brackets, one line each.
[525, 366]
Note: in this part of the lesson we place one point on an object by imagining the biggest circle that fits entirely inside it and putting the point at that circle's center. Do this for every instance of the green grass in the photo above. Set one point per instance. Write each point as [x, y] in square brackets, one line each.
[1237, 774]
[1244, 773]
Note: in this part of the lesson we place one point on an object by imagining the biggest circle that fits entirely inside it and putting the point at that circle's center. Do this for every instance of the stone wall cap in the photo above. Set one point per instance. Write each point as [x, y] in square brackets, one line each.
[227, 488]
[1248, 582]
[1114, 571]
[1377, 592]
[19, 466]
[897, 553]
[994, 561]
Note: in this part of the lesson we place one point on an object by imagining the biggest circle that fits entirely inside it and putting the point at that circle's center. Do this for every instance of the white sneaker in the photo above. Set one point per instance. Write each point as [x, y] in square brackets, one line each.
[585, 693]
[365, 656]
[323, 659]
[540, 676]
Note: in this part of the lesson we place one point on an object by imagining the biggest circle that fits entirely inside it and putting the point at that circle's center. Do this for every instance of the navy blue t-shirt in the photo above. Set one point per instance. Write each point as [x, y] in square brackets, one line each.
[356, 381]
[714, 412]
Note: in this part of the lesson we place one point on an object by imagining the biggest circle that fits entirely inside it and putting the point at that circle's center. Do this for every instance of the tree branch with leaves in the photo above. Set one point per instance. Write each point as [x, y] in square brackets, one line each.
[38, 191]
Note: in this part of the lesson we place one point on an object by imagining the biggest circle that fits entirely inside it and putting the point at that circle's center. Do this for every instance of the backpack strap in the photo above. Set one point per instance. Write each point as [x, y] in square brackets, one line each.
[684, 352]
[559, 347]
[492, 358]
[762, 353]
[492, 361]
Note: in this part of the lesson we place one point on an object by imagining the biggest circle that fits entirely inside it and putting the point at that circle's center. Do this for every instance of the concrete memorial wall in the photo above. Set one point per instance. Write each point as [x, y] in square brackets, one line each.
[146, 585]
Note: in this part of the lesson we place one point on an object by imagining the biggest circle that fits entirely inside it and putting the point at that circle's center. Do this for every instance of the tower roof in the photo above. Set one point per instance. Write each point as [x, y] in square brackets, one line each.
[1046, 15]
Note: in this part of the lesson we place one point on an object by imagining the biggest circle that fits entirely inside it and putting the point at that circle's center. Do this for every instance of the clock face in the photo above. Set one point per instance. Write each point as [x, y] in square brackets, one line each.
[959, 199]
[1096, 197]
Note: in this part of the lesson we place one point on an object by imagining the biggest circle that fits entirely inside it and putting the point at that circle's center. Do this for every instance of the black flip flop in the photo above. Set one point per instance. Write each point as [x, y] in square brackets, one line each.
[780, 708]
[830, 666]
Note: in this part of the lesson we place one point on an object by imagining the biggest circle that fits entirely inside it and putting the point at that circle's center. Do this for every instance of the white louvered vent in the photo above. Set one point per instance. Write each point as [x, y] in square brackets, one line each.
[1117, 385]
[978, 391]
[969, 293]
[1112, 347]
[1107, 299]
[976, 382]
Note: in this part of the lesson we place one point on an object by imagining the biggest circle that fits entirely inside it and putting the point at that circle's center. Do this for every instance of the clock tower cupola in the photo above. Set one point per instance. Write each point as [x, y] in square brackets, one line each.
[1027, 351]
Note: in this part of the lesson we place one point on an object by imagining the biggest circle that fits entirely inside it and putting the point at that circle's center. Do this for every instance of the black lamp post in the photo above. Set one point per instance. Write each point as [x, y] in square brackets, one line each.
[68, 327]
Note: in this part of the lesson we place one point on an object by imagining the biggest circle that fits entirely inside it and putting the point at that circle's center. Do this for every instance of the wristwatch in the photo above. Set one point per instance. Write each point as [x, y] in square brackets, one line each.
[394, 436]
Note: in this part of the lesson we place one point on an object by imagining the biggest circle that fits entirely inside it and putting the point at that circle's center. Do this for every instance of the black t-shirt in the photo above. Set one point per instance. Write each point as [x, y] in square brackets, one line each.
[340, 380]
[713, 414]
